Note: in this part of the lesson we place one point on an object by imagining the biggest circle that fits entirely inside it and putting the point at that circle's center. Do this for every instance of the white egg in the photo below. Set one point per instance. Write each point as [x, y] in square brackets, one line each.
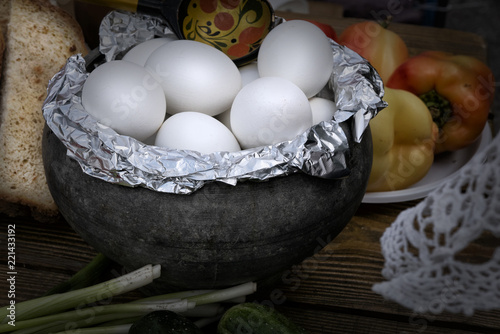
[125, 97]
[141, 52]
[196, 132]
[195, 77]
[249, 73]
[299, 51]
[268, 111]
[322, 109]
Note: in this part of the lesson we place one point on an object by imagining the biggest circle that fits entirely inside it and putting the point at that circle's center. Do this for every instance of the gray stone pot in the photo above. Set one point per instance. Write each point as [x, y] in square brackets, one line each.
[220, 235]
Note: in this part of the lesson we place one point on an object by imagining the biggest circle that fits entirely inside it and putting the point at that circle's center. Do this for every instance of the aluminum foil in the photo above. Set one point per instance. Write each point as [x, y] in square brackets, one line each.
[321, 151]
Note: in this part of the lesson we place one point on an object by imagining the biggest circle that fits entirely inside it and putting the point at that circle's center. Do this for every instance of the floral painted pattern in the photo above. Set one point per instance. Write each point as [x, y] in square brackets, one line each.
[236, 27]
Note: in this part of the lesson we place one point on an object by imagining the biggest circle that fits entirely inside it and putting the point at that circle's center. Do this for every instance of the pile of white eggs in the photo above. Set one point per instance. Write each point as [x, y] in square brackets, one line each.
[186, 95]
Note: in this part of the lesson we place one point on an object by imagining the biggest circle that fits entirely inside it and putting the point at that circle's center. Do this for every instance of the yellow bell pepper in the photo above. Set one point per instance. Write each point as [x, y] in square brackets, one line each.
[404, 137]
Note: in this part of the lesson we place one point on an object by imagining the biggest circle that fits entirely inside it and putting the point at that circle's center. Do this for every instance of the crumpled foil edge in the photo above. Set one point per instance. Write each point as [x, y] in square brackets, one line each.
[102, 153]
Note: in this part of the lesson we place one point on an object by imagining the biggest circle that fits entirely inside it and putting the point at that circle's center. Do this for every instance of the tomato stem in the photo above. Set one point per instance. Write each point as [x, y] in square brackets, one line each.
[439, 107]
[385, 23]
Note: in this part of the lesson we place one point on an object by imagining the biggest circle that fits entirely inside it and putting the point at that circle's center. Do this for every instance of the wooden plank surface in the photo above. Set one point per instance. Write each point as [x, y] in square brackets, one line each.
[341, 275]
[327, 293]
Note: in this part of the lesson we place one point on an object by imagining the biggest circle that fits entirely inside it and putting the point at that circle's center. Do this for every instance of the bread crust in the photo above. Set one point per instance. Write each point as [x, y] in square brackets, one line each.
[4, 17]
[40, 38]
[2, 49]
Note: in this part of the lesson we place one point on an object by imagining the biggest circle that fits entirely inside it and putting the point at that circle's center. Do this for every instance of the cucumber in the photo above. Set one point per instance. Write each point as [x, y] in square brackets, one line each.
[164, 322]
[253, 318]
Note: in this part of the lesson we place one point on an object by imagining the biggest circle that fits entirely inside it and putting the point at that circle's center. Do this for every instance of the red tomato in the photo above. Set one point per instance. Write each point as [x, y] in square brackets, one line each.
[326, 28]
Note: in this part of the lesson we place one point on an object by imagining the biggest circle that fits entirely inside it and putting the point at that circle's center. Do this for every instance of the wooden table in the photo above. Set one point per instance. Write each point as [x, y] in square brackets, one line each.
[327, 293]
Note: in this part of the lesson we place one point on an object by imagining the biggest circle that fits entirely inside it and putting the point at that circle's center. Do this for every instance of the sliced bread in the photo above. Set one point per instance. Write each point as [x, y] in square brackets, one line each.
[40, 37]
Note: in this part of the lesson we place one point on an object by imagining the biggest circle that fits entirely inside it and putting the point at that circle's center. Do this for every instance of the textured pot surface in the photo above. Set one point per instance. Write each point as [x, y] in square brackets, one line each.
[218, 236]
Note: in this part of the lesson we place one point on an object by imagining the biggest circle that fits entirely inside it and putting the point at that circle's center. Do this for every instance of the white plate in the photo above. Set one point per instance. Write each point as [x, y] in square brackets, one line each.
[445, 166]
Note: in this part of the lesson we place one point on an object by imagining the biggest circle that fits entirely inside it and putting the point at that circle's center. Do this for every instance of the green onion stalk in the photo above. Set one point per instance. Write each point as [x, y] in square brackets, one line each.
[77, 311]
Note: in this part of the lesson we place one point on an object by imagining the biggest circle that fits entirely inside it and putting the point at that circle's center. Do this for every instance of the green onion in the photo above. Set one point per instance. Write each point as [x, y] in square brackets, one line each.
[204, 311]
[87, 276]
[60, 302]
[91, 312]
[77, 311]
[59, 326]
[119, 329]
[225, 294]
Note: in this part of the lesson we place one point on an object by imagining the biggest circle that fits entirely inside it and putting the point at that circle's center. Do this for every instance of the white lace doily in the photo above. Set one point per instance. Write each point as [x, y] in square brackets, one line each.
[421, 246]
